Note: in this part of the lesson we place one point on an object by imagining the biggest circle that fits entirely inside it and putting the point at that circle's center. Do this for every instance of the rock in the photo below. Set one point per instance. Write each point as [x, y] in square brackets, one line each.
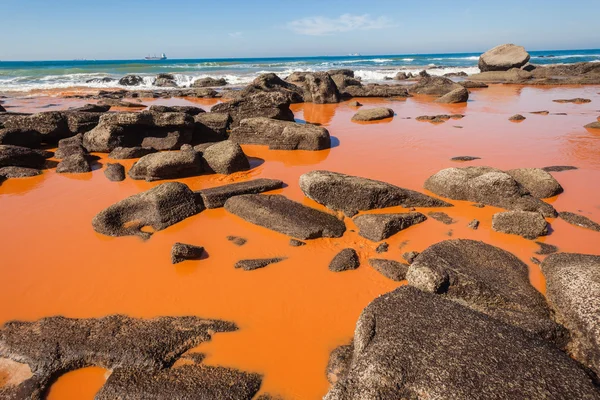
[345, 260]
[55, 345]
[115, 172]
[577, 100]
[438, 118]
[181, 252]
[217, 196]
[167, 165]
[106, 79]
[211, 127]
[460, 95]
[272, 83]
[250, 265]
[350, 194]
[528, 224]
[375, 90]
[16, 156]
[461, 354]
[473, 85]
[503, 58]
[377, 227]
[159, 208]
[465, 158]
[512, 76]
[238, 241]
[546, 248]
[343, 81]
[75, 164]
[131, 80]
[17, 137]
[339, 363]
[535, 261]
[559, 168]
[517, 118]
[537, 182]
[120, 103]
[473, 224]
[51, 125]
[342, 71]
[319, 88]
[401, 76]
[281, 135]
[70, 146]
[209, 82]
[285, 216]
[579, 220]
[264, 104]
[456, 74]
[410, 256]
[296, 243]
[123, 153]
[593, 125]
[573, 292]
[226, 158]
[486, 185]
[434, 85]
[18, 172]
[393, 270]
[165, 80]
[189, 110]
[442, 217]
[542, 112]
[373, 114]
[354, 104]
[382, 248]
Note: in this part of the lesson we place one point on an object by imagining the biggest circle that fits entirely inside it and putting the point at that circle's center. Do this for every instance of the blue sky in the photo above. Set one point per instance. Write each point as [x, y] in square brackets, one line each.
[130, 29]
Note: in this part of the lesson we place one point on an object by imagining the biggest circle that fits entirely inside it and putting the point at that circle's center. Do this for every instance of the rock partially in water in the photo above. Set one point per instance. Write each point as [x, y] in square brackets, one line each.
[511, 76]
[263, 104]
[559, 168]
[442, 217]
[528, 224]
[77, 163]
[375, 90]
[579, 220]
[18, 172]
[455, 344]
[391, 269]
[16, 156]
[167, 165]
[115, 172]
[238, 241]
[410, 256]
[503, 58]
[573, 291]
[473, 85]
[159, 208]
[209, 82]
[487, 279]
[350, 194]
[373, 114]
[465, 158]
[319, 88]
[577, 100]
[18, 137]
[546, 248]
[339, 362]
[285, 216]
[474, 224]
[537, 182]
[593, 125]
[124, 153]
[378, 227]
[345, 260]
[517, 118]
[297, 243]
[251, 265]
[434, 85]
[165, 80]
[225, 157]
[182, 251]
[217, 196]
[131, 80]
[354, 104]
[459, 95]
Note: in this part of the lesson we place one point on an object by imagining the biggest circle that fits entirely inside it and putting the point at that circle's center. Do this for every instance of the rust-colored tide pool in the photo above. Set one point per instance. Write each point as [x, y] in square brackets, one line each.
[290, 314]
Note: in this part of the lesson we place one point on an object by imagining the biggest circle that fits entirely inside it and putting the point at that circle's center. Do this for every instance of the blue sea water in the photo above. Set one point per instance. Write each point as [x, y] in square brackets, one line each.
[29, 75]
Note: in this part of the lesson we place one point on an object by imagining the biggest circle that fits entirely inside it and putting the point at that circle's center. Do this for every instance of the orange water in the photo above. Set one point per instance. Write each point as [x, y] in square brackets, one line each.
[291, 314]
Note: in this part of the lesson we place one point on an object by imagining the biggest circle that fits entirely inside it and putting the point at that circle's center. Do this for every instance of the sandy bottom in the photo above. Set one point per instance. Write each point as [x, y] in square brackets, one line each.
[291, 314]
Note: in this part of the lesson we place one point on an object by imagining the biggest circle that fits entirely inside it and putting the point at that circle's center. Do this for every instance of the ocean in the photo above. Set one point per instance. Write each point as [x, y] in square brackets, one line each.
[29, 75]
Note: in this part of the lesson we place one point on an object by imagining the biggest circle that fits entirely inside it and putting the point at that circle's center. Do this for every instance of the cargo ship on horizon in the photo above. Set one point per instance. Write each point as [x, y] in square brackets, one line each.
[162, 57]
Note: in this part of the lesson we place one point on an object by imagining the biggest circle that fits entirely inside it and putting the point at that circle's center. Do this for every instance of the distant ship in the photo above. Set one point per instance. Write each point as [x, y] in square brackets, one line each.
[354, 54]
[162, 57]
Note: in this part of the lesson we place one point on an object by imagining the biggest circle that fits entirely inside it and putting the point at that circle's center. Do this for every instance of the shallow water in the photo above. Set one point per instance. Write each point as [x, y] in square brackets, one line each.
[290, 314]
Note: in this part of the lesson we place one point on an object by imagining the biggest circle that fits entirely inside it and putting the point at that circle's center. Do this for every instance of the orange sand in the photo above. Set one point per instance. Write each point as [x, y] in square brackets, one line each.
[291, 314]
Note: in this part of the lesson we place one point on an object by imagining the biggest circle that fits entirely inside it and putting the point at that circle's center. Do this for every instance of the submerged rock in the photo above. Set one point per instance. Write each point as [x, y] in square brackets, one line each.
[528, 224]
[216, 197]
[285, 216]
[264, 104]
[573, 291]
[442, 217]
[251, 265]
[115, 172]
[159, 208]
[377, 227]
[16, 156]
[579, 220]
[391, 269]
[167, 165]
[181, 252]
[503, 58]
[225, 157]
[455, 345]
[352, 193]
[345, 260]
[373, 114]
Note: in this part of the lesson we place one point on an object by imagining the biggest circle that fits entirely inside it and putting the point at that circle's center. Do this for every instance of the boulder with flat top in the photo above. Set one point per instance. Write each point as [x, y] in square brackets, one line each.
[503, 58]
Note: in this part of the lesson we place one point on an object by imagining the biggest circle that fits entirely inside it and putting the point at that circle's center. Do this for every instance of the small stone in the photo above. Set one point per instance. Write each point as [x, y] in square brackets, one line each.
[296, 243]
[345, 260]
[473, 224]
[535, 261]
[465, 158]
[544, 112]
[517, 118]
[546, 249]
[238, 241]
[181, 252]
[250, 265]
[115, 172]
[382, 248]
[410, 256]
[442, 217]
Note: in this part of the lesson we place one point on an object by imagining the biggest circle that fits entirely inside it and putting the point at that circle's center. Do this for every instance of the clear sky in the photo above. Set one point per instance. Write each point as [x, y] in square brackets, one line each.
[130, 29]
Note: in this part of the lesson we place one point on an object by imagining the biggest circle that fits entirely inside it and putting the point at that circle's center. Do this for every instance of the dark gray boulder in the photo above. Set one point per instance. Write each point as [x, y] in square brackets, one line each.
[537, 182]
[124, 153]
[285, 216]
[16, 156]
[373, 114]
[77, 163]
[18, 137]
[410, 344]
[503, 58]
[391, 269]
[159, 208]
[251, 265]
[115, 172]
[18, 172]
[274, 105]
[350, 194]
[167, 165]
[131, 80]
[182, 251]
[225, 157]
[528, 224]
[459, 95]
[434, 85]
[579, 220]
[217, 196]
[319, 88]
[345, 260]
[573, 292]
[377, 227]
[487, 279]
[281, 135]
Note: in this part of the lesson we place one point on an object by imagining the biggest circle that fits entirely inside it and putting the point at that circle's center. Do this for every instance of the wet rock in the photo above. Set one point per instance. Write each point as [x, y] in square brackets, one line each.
[546, 248]
[377, 227]
[264, 104]
[460, 95]
[159, 208]
[401, 76]
[319, 88]
[350, 194]
[579, 220]
[528, 224]
[391, 269]
[465, 158]
[339, 361]
[115, 172]
[503, 58]
[354, 104]
[434, 85]
[345, 260]
[181, 252]
[517, 118]
[238, 241]
[272, 83]
[454, 346]
[209, 82]
[375, 90]
[251, 265]
[410, 256]
[473, 224]
[373, 114]
[211, 127]
[486, 185]
[120, 103]
[56, 345]
[382, 248]
[217, 196]
[537, 182]
[542, 112]
[70, 146]
[75, 163]
[51, 125]
[281, 135]
[124, 153]
[573, 292]
[593, 125]
[512, 76]
[189, 110]
[18, 172]
[473, 85]
[559, 168]
[16, 156]
[167, 165]
[577, 100]
[297, 243]
[131, 80]
[91, 108]
[225, 157]
[165, 80]
[342, 81]
[285, 216]
[17, 137]
[438, 118]
[442, 217]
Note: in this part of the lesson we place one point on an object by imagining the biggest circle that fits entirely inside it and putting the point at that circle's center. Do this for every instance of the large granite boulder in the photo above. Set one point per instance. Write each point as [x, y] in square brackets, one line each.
[503, 58]
[167, 165]
[434, 85]
[225, 157]
[159, 207]
[350, 194]
[274, 105]
[319, 88]
[488, 186]
[281, 135]
[272, 83]
[16, 156]
[573, 291]
[285, 216]
[377, 227]
[487, 279]
[410, 344]
[217, 196]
